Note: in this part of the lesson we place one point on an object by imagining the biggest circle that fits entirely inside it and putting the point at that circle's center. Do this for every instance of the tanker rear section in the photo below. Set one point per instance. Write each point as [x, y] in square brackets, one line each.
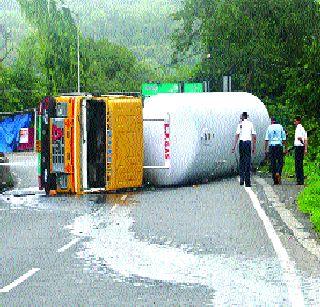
[202, 128]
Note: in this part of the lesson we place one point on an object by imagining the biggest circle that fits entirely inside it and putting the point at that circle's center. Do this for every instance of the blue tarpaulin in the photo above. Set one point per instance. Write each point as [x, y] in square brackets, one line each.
[10, 129]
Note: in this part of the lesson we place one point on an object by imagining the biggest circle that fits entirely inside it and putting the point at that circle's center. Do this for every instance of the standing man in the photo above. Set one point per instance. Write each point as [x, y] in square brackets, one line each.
[275, 140]
[247, 135]
[300, 149]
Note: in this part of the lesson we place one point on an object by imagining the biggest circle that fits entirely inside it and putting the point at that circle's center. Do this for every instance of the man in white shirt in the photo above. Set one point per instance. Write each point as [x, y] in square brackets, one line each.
[247, 136]
[300, 149]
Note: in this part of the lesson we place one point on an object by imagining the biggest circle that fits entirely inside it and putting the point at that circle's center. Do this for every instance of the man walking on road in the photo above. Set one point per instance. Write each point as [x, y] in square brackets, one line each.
[300, 149]
[275, 140]
[247, 135]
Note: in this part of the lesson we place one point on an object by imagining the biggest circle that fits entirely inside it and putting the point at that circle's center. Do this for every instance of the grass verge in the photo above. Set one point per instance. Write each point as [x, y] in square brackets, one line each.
[309, 198]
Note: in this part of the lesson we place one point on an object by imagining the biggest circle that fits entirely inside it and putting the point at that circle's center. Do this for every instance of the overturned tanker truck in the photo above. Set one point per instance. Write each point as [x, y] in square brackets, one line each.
[93, 144]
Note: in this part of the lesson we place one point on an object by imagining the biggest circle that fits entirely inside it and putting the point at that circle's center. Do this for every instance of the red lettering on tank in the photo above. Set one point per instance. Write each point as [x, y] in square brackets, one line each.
[166, 141]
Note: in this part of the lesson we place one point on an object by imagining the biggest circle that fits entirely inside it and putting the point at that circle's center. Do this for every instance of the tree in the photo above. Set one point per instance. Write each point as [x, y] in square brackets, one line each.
[4, 43]
[254, 40]
[22, 84]
[104, 66]
[110, 68]
[270, 47]
[57, 33]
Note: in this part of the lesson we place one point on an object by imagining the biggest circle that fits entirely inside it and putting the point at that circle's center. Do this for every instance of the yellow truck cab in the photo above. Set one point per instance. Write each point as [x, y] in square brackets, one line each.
[87, 143]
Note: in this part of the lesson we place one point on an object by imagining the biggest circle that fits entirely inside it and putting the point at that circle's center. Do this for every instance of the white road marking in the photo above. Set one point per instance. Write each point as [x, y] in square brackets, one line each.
[24, 163]
[303, 237]
[67, 246]
[20, 280]
[24, 190]
[289, 272]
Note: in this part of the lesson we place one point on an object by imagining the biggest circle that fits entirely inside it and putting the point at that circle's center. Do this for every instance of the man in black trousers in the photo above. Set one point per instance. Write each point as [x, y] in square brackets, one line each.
[300, 149]
[247, 135]
[275, 142]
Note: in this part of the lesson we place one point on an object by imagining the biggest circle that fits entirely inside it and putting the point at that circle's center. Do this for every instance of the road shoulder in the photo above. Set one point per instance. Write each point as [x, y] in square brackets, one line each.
[295, 228]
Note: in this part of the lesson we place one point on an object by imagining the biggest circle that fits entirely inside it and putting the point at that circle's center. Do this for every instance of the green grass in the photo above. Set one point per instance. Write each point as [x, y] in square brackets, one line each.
[288, 168]
[309, 198]
[7, 183]
[10, 181]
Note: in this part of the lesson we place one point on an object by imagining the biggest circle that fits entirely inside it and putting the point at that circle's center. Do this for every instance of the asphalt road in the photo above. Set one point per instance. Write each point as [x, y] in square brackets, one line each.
[197, 245]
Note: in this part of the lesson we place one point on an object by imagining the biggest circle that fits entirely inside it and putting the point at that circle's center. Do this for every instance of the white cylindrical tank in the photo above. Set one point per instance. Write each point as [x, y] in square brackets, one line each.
[193, 134]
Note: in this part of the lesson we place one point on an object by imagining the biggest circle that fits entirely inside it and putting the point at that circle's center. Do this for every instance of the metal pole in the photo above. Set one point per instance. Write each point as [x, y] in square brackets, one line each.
[47, 53]
[35, 130]
[78, 47]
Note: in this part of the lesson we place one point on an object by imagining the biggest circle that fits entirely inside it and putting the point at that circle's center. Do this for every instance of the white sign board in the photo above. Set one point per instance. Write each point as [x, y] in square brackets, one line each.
[24, 136]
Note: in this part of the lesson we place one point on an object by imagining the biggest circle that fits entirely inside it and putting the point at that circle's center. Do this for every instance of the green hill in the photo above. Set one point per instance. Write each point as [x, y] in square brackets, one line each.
[141, 25]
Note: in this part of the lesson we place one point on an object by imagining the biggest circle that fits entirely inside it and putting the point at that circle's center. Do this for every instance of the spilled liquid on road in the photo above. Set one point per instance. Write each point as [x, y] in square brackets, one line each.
[109, 247]
[233, 280]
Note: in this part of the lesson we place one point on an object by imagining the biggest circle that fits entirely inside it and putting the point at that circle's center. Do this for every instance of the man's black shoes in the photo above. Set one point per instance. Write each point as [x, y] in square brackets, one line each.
[247, 185]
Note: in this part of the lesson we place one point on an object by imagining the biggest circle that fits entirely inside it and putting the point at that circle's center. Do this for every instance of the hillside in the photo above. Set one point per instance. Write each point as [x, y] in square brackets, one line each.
[12, 21]
[143, 26]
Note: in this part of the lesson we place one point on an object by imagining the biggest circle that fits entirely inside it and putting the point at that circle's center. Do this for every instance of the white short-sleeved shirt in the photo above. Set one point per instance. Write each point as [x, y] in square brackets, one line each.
[300, 133]
[245, 130]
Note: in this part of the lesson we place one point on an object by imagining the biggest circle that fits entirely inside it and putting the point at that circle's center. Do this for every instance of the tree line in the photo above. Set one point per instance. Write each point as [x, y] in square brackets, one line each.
[46, 61]
[270, 48]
